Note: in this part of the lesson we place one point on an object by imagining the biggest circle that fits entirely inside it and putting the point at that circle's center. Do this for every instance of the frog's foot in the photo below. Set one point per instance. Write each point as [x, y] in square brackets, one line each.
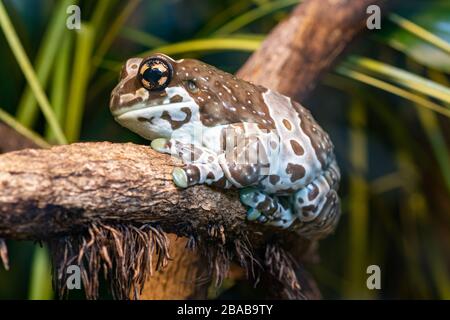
[266, 209]
[161, 145]
[317, 207]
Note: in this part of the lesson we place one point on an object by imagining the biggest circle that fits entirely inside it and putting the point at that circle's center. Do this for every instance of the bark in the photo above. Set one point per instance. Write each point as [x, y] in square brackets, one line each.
[302, 47]
[51, 193]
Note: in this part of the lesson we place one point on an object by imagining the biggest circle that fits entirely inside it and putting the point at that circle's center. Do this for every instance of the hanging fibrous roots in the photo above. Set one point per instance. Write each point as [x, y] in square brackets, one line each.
[126, 255]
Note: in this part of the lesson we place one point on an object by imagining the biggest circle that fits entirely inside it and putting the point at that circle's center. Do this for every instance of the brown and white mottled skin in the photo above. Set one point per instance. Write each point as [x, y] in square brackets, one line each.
[232, 133]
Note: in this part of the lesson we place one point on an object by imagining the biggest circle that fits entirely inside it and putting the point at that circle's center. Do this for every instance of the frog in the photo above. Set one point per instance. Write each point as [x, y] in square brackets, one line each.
[233, 134]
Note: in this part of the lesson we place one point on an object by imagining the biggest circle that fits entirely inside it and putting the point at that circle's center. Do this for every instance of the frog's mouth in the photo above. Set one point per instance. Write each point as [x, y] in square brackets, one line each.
[176, 98]
[145, 109]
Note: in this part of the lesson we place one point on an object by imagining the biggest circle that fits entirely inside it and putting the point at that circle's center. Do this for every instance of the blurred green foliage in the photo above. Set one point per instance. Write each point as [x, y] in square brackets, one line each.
[386, 106]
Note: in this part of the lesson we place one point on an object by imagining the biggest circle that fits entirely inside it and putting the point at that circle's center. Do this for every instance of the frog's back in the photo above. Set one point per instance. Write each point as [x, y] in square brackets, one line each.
[305, 150]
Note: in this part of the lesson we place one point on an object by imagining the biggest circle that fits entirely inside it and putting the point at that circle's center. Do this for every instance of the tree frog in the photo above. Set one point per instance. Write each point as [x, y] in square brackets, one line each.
[231, 133]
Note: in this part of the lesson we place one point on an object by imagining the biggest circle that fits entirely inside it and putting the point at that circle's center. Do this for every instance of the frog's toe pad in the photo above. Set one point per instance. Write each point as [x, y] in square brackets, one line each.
[160, 145]
[180, 177]
[247, 196]
[253, 214]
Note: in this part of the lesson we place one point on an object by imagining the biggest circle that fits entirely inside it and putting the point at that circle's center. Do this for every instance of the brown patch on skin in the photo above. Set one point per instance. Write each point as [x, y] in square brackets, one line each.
[221, 183]
[174, 123]
[176, 98]
[193, 174]
[221, 96]
[245, 175]
[210, 176]
[267, 206]
[298, 150]
[287, 124]
[149, 120]
[313, 193]
[274, 179]
[316, 134]
[296, 171]
[310, 208]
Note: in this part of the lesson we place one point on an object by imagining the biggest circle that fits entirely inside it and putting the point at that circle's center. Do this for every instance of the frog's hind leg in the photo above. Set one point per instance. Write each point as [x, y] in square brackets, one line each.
[266, 208]
[317, 206]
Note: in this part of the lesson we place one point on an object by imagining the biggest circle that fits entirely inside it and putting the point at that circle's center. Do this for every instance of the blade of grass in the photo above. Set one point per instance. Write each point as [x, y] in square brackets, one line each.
[27, 133]
[252, 15]
[223, 16]
[143, 38]
[41, 279]
[402, 77]
[99, 17]
[358, 201]
[113, 30]
[79, 82]
[212, 44]
[431, 126]
[348, 72]
[420, 32]
[29, 73]
[27, 110]
[59, 84]
[197, 45]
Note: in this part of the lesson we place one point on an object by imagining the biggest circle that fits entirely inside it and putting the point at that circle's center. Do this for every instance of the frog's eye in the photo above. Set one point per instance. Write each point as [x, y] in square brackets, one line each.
[191, 86]
[155, 74]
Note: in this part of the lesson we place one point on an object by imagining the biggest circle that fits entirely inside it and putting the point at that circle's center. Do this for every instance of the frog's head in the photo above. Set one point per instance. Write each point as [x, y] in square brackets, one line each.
[158, 95]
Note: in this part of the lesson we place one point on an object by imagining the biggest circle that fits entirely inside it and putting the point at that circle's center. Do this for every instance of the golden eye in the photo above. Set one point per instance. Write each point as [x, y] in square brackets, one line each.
[192, 86]
[155, 74]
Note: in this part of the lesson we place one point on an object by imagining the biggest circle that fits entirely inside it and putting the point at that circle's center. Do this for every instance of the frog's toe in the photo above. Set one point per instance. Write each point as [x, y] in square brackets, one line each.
[160, 145]
[247, 196]
[180, 177]
[253, 214]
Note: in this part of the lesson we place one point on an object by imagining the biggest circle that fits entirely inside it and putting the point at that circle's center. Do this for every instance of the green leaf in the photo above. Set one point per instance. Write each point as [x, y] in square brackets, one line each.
[27, 110]
[416, 37]
[30, 74]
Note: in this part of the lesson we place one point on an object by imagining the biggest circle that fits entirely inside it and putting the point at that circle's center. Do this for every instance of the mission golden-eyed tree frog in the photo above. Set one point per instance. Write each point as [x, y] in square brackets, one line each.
[231, 133]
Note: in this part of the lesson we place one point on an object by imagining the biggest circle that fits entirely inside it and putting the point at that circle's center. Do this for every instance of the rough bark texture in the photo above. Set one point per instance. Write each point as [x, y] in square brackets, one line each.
[51, 193]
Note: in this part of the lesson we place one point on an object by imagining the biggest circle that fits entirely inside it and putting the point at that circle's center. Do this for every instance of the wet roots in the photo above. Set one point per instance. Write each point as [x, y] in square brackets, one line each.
[127, 255]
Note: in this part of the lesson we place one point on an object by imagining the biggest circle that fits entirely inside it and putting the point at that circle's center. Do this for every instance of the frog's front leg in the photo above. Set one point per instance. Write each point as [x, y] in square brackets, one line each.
[201, 165]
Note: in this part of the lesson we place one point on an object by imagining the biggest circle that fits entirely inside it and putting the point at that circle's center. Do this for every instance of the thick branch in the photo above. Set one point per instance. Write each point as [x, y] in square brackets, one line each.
[301, 48]
[46, 193]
